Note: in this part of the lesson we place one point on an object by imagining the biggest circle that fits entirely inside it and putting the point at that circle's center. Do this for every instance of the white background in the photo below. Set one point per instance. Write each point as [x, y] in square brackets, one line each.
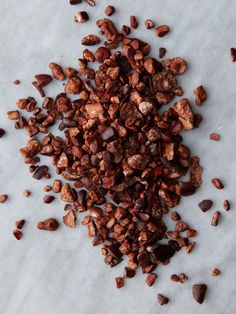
[57, 273]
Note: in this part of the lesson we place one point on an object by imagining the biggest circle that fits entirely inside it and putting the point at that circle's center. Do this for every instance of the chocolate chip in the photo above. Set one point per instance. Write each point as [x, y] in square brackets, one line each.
[233, 54]
[199, 292]
[47, 199]
[205, 205]
[162, 300]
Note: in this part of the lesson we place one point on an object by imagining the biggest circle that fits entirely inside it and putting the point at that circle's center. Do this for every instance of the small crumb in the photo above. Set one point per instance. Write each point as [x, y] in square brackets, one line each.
[174, 277]
[215, 137]
[216, 272]
[190, 247]
[17, 234]
[3, 198]
[16, 82]
[182, 277]
[26, 193]
[119, 282]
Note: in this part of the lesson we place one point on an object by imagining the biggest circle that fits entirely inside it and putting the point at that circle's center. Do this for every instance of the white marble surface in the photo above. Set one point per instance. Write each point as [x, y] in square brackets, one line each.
[61, 273]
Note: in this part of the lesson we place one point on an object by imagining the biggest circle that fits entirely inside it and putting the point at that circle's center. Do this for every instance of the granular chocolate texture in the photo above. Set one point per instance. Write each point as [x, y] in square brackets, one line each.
[118, 145]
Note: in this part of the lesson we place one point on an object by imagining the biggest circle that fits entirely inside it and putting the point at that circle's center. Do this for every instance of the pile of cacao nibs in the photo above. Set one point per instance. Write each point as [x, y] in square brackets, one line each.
[121, 152]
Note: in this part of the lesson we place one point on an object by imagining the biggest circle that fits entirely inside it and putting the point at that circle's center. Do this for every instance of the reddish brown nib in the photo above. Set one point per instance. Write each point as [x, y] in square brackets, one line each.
[49, 224]
[233, 54]
[199, 292]
[3, 198]
[17, 234]
[119, 282]
[162, 300]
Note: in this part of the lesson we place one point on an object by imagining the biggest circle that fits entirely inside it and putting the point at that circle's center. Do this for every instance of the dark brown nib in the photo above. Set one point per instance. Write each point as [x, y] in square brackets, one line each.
[3, 198]
[2, 132]
[109, 10]
[73, 2]
[162, 300]
[149, 24]
[162, 30]
[90, 40]
[205, 205]
[162, 52]
[151, 278]
[214, 137]
[17, 234]
[216, 272]
[120, 282]
[226, 205]
[199, 292]
[81, 17]
[16, 82]
[233, 54]
[48, 199]
[20, 223]
[200, 95]
[133, 22]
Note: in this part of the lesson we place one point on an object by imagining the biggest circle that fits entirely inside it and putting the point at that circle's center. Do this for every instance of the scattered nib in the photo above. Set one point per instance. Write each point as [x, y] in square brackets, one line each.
[217, 183]
[215, 137]
[125, 30]
[16, 82]
[57, 71]
[26, 193]
[151, 278]
[175, 216]
[17, 234]
[47, 199]
[199, 292]
[133, 22]
[190, 247]
[162, 52]
[182, 277]
[73, 2]
[41, 80]
[129, 272]
[162, 300]
[2, 132]
[49, 224]
[149, 24]
[90, 40]
[91, 2]
[3, 198]
[216, 272]
[40, 172]
[13, 115]
[57, 186]
[47, 188]
[191, 233]
[162, 30]
[226, 205]
[215, 219]
[109, 10]
[20, 223]
[205, 205]
[200, 95]
[233, 54]
[174, 277]
[119, 282]
[70, 219]
[81, 17]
